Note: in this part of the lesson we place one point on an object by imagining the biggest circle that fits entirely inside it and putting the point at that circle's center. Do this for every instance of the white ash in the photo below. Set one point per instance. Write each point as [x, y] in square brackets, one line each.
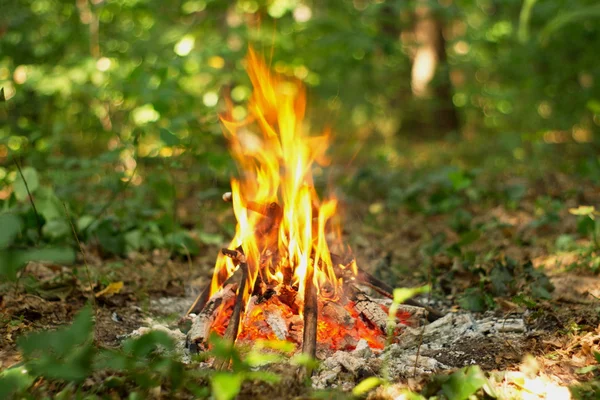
[401, 359]
[171, 305]
[181, 351]
[434, 342]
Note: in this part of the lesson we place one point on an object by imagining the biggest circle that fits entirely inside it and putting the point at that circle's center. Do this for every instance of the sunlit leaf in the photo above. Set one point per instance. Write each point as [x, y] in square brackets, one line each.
[226, 386]
[367, 385]
[583, 210]
[112, 289]
[257, 358]
[403, 294]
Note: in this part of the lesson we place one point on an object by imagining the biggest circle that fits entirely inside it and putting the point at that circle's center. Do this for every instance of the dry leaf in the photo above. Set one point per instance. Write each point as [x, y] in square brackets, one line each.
[111, 289]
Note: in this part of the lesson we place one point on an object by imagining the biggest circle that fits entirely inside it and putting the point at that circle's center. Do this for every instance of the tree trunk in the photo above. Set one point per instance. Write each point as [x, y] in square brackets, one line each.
[430, 73]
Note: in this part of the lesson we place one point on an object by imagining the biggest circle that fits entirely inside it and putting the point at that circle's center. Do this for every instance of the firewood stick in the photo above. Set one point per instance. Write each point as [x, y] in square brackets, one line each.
[203, 297]
[364, 278]
[371, 281]
[309, 337]
[200, 301]
[234, 322]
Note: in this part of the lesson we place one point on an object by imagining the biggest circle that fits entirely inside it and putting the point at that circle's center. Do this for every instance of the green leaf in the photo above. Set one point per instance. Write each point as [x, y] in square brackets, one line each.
[501, 278]
[459, 180]
[594, 106]
[256, 358]
[64, 354]
[475, 300]
[11, 226]
[585, 370]
[464, 383]
[367, 385]
[585, 225]
[55, 255]
[2, 96]
[403, 294]
[468, 237]
[56, 229]
[169, 138]
[14, 380]
[577, 14]
[31, 176]
[148, 343]
[226, 386]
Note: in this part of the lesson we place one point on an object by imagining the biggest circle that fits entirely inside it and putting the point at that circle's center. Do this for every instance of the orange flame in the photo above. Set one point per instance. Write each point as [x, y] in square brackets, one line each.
[275, 168]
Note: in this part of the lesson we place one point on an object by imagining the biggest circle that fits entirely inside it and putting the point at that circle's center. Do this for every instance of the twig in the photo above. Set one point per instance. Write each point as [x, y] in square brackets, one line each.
[309, 337]
[234, 322]
[85, 263]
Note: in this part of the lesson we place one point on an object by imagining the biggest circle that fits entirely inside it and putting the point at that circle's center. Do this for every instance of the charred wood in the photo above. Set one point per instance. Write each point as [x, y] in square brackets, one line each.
[370, 310]
[234, 322]
[202, 323]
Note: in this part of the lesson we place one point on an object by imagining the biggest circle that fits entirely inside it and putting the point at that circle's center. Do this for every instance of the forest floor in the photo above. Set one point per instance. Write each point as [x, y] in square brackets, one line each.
[489, 242]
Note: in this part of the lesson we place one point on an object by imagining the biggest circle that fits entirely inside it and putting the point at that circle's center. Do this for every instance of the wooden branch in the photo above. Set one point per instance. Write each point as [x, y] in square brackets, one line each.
[364, 278]
[370, 310]
[202, 323]
[309, 337]
[234, 322]
[200, 301]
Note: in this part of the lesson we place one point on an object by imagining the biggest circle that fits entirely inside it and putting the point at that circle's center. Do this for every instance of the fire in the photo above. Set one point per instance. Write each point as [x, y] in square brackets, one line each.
[276, 168]
[283, 227]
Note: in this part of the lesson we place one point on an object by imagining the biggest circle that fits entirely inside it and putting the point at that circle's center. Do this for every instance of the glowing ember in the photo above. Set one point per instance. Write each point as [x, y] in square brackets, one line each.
[284, 230]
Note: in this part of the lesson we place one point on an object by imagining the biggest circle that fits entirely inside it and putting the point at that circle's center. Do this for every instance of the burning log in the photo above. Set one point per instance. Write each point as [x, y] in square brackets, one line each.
[234, 321]
[338, 313]
[370, 310]
[277, 323]
[202, 324]
[364, 278]
[309, 336]
[198, 305]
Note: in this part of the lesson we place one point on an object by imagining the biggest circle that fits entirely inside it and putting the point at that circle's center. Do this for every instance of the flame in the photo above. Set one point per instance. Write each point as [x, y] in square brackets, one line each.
[284, 229]
[276, 179]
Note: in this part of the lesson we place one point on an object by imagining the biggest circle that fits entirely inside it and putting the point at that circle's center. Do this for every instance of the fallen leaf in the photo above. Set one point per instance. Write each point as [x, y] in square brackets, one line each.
[111, 289]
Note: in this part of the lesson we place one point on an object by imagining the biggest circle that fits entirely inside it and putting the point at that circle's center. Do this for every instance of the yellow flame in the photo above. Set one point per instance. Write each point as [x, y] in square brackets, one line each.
[275, 167]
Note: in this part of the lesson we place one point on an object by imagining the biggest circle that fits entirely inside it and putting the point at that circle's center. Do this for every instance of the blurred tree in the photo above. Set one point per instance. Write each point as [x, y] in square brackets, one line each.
[430, 64]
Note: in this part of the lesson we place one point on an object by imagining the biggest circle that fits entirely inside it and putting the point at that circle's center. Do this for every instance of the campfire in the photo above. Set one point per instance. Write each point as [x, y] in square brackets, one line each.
[286, 274]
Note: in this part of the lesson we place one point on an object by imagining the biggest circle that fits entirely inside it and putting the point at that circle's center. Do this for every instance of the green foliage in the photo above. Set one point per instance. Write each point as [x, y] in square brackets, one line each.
[507, 278]
[458, 386]
[68, 355]
[65, 354]
[13, 259]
